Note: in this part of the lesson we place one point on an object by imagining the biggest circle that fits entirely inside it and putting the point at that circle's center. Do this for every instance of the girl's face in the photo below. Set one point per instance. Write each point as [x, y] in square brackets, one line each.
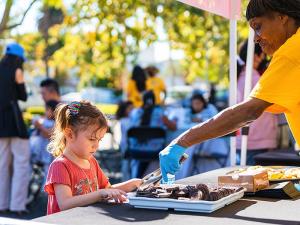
[86, 142]
[197, 105]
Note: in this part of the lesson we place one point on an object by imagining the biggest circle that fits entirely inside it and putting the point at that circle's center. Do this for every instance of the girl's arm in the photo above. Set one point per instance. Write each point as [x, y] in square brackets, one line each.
[66, 200]
[129, 185]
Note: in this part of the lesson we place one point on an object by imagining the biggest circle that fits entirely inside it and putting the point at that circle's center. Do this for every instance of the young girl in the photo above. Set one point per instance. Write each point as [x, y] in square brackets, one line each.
[74, 177]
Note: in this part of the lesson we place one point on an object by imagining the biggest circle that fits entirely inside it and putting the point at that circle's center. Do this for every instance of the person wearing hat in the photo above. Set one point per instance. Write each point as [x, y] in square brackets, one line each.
[276, 92]
[14, 145]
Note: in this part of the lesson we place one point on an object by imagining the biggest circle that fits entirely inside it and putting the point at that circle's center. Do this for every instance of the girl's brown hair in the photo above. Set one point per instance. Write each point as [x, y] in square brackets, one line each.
[77, 116]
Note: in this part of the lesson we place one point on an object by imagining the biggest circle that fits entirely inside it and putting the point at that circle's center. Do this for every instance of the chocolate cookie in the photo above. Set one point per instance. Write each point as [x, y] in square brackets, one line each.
[171, 187]
[214, 196]
[164, 195]
[205, 191]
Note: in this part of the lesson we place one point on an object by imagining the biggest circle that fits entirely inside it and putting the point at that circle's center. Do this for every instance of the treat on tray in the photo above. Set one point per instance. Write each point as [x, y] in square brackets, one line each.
[252, 180]
[274, 172]
[188, 192]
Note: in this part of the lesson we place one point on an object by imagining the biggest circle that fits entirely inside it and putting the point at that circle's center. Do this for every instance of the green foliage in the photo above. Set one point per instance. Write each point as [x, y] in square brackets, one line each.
[97, 38]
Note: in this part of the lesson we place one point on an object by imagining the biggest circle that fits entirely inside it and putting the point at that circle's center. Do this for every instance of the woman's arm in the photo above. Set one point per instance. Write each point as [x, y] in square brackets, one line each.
[21, 91]
[66, 201]
[227, 121]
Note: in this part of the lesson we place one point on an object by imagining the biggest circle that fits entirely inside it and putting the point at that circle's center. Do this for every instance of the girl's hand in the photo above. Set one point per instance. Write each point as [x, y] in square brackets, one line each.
[134, 183]
[117, 195]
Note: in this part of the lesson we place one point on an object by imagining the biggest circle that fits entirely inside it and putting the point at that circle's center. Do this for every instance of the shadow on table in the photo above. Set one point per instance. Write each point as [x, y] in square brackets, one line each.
[131, 214]
[232, 211]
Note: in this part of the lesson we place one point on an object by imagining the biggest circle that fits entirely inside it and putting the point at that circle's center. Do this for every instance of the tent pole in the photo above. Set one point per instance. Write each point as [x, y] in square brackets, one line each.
[248, 87]
[233, 82]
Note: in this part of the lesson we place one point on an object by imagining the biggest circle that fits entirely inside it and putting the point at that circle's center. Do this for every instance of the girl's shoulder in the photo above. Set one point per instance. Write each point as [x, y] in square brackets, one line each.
[93, 160]
[63, 161]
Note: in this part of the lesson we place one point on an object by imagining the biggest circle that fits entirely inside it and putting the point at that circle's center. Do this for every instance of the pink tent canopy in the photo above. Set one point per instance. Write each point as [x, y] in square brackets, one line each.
[230, 9]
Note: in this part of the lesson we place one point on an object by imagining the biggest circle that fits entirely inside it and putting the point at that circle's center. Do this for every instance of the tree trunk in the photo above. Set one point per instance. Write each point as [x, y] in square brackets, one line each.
[5, 17]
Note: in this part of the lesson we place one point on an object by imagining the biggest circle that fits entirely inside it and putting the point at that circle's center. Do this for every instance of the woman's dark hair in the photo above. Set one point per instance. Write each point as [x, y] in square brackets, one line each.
[12, 61]
[148, 106]
[122, 107]
[257, 8]
[198, 97]
[243, 56]
[151, 71]
[139, 76]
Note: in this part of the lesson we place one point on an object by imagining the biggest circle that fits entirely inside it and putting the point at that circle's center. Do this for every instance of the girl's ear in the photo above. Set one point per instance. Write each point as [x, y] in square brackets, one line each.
[68, 133]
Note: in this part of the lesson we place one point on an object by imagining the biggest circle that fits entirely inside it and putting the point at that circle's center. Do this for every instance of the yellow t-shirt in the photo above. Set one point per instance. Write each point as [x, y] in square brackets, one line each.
[133, 94]
[157, 85]
[280, 84]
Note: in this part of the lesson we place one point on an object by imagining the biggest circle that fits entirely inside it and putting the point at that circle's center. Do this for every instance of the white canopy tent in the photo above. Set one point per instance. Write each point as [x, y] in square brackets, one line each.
[231, 9]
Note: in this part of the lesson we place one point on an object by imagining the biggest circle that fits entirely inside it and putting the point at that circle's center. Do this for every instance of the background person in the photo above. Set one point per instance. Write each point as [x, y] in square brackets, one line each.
[136, 86]
[14, 146]
[155, 84]
[263, 131]
[49, 89]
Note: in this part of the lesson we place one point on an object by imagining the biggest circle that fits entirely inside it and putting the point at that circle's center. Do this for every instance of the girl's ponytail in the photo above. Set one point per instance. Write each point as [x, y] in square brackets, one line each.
[58, 142]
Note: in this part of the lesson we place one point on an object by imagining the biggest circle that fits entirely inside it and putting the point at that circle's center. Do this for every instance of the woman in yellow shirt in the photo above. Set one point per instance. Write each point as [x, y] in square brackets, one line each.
[136, 86]
[155, 84]
[276, 24]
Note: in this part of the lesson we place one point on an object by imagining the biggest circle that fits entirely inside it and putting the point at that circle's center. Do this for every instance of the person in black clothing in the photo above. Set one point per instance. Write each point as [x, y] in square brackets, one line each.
[14, 145]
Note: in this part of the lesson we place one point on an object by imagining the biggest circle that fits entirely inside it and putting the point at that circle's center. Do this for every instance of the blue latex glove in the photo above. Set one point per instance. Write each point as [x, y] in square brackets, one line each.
[297, 186]
[169, 160]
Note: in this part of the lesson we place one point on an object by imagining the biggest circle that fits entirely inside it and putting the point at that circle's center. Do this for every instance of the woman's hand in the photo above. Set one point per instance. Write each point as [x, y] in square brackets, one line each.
[117, 195]
[169, 160]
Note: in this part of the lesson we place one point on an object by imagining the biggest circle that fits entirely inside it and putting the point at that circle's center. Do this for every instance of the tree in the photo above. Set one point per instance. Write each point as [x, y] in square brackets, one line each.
[96, 39]
[6, 21]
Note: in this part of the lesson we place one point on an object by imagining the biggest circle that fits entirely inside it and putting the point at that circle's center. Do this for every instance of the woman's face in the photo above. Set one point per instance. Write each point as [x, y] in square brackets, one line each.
[197, 105]
[270, 31]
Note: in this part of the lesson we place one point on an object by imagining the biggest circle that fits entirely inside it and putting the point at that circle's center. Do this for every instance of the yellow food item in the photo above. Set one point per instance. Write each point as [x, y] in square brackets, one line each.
[274, 172]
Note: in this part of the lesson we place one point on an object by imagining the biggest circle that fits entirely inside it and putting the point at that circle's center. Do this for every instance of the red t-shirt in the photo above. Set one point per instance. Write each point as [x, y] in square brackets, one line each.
[64, 171]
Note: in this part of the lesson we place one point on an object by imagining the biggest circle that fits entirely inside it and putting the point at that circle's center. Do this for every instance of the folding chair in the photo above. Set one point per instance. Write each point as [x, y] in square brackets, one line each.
[220, 158]
[144, 143]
